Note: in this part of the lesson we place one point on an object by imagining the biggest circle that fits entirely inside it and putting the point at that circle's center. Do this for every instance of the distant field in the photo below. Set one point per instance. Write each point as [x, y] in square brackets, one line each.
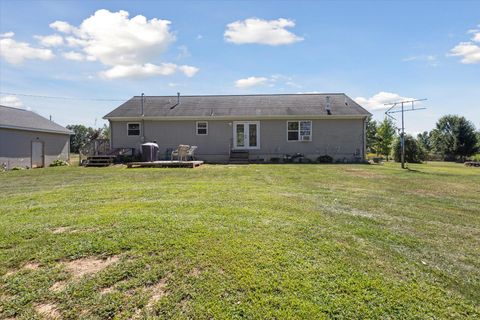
[255, 241]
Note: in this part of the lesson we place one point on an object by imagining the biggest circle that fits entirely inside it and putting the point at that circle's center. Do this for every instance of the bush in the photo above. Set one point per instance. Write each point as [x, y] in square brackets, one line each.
[59, 163]
[18, 168]
[413, 152]
[476, 157]
[325, 159]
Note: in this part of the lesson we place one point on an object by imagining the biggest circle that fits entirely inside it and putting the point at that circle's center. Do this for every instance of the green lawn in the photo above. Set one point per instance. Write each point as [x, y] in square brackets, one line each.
[256, 241]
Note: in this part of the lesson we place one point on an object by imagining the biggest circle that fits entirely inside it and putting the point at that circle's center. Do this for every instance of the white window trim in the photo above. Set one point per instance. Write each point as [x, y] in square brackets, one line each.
[196, 128]
[235, 135]
[298, 121]
[139, 129]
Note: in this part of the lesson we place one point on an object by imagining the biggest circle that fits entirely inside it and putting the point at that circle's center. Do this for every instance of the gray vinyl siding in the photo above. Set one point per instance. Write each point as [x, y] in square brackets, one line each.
[339, 138]
[16, 146]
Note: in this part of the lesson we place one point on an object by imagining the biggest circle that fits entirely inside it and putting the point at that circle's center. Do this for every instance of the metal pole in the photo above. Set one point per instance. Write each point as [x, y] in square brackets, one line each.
[402, 139]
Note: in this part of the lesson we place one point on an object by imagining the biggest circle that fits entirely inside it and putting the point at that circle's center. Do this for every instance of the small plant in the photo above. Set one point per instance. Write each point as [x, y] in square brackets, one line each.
[59, 163]
[325, 159]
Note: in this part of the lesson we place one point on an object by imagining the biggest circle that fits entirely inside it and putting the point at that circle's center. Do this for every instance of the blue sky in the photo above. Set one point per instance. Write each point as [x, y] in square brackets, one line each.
[373, 51]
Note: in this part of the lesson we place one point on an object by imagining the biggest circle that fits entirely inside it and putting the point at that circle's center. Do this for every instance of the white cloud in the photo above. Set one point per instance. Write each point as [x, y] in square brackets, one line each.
[16, 52]
[53, 40]
[254, 30]
[377, 101]
[128, 46]
[146, 70]
[251, 82]
[469, 50]
[7, 35]
[62, 26]
[189, 71]
[11, 101]
[75, 56]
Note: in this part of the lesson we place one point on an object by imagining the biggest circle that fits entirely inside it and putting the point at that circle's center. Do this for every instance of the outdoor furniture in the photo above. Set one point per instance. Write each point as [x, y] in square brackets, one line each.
[181, 152]
[191, 152]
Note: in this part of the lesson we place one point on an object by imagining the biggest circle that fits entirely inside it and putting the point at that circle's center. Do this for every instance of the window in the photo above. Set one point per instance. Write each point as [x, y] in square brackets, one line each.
[299, 130]
[202, 128]
[133, 129]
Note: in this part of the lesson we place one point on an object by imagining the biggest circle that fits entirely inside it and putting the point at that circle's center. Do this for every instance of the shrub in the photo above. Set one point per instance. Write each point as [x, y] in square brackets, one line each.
[413, 152]
[18, 168]
[325, 159]
[59, 163]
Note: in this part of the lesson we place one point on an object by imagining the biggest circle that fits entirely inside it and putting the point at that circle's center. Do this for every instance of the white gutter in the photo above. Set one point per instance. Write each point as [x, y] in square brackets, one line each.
[36, 130]
[177, 118]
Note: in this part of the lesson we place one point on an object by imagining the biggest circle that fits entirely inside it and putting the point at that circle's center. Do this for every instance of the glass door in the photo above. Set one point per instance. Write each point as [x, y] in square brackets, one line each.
[246, 135]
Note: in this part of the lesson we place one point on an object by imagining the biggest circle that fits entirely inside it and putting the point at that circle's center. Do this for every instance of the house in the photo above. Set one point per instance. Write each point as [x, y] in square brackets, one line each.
[262, 127]
[29, 140]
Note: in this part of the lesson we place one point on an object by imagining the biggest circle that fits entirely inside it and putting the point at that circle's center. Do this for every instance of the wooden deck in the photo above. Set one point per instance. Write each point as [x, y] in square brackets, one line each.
[165, 164]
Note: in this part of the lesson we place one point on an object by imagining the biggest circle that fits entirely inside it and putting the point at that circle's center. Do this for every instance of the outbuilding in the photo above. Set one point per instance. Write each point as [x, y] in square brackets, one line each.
[29, 140]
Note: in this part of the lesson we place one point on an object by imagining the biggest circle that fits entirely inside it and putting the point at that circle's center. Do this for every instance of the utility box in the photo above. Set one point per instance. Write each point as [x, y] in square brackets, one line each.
[149, 152]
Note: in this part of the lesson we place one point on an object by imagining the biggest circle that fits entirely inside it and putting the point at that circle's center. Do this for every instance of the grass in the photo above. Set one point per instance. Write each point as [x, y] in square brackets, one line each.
[230, 242]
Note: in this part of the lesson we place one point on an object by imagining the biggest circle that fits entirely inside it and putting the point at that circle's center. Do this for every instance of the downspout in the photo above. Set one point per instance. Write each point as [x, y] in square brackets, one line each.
[142, 130]
[364, 139]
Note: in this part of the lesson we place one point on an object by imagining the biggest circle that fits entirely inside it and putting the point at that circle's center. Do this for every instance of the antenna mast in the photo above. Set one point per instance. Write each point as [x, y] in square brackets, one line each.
[402, 109]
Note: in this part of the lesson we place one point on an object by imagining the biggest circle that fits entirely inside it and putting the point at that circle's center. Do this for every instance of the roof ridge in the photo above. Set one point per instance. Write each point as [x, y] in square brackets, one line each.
[20, 109]
[247, 95]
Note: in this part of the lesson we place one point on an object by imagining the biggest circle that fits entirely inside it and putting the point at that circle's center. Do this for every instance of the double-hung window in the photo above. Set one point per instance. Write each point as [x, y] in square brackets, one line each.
[202, 128]
[299, 130]
[133, 129]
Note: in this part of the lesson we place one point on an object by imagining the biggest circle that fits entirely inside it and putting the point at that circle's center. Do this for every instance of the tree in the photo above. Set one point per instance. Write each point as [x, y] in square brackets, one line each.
[79, 138]
[384, 137]
[414, 153]
[371, 128]
[454, 137]
[424, 140]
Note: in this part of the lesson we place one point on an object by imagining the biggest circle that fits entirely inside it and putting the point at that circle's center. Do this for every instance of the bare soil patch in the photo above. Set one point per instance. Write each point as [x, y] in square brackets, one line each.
[195, 272]
[61, 230]
[158, 291]
[85, 266]
[48, 311]
[58, 286]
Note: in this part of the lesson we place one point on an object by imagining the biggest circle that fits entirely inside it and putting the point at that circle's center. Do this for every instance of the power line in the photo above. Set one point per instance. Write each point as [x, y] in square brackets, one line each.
[58, 97]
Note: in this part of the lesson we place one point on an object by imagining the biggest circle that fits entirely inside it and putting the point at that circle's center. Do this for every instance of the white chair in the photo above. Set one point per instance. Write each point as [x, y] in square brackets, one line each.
[181, 152]
[191, 152]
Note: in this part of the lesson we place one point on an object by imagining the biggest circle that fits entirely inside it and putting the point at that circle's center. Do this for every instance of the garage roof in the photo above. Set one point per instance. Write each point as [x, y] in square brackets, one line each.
[20, 119]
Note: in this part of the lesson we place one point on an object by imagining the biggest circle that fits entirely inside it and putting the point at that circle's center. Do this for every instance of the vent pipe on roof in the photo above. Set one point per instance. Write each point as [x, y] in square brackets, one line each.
[178, 97]
[329, 110]
[141, 103]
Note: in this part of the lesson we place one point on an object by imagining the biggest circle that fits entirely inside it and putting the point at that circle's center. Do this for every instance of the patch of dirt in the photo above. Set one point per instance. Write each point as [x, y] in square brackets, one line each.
[58, 286]
[195, 272]
[48, 311]
[61, 230]
[31, 266]
[85, 266]
[106, 290]
[158, 291]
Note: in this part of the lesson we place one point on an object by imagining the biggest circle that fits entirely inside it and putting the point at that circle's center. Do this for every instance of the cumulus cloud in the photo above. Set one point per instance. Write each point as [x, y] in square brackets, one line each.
[53, 40]
[251, 82]
[147, 70]
[11, 101]
[128, 46]
[377, 101]
[7, 35]
[15, 52]
[254, 30]
[468, 50]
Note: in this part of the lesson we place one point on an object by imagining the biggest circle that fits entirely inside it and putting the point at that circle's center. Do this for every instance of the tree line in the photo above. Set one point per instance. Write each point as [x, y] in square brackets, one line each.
[454, 138]
[82, 135]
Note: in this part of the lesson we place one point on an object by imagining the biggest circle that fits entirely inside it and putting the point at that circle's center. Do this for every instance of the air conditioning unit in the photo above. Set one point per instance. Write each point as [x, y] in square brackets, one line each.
[305, 138]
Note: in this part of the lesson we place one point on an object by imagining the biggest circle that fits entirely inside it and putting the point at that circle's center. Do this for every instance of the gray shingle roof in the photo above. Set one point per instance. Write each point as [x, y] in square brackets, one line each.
[15, 118]
[262, 105]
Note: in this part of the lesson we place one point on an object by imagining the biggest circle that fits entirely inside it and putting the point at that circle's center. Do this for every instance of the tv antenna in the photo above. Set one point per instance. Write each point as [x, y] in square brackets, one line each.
[394, 109]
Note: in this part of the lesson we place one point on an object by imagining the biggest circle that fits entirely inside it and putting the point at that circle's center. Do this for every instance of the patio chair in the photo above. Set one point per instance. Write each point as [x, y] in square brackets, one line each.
[180, 152]
[191, 152]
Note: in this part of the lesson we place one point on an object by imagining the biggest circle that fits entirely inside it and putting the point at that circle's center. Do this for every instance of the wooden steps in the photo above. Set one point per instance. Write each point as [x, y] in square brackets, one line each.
[239, 157]
[99, 161]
